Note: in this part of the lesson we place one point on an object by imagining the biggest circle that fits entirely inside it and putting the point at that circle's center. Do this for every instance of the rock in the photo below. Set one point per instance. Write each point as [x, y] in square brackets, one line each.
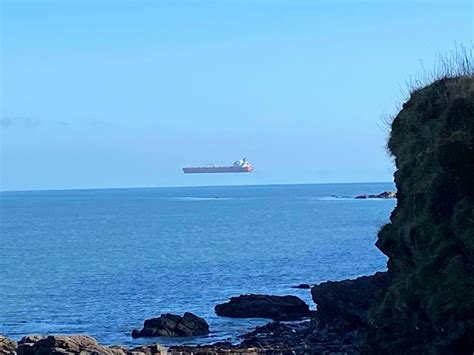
[428, 307]
[264, 306]
[229, 349]
[347, 302]
[7, 346]
[154, 349]
[31, 339]
[302, 286]
[384, 195]
[27, 342]
[65, 344]
[171, 325]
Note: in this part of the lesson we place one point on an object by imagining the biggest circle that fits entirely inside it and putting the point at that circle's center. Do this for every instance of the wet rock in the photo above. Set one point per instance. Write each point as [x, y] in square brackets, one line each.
[7, 346]
[228, 349]
[302, 286]
[345, 304]
[384, 195]
[171, 325]
[264, 306]
[62, 344]
[276, 333]
[154, 349]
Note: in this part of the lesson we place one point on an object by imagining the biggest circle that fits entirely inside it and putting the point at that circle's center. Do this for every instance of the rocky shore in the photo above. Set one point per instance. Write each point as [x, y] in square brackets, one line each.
[337, 327]
[423, 304]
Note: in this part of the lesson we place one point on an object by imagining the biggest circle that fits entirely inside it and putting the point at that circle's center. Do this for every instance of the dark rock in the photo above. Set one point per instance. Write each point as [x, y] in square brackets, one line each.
[384, 195]
[31, 339]
[154, 349]
[302, 338]
[347, 302]
[171, 325]
[275, 333]
[229, 349]
[27, 342]
[62, 344]
[302, 286]
[264, 306]
[428, 306]
[7, 346]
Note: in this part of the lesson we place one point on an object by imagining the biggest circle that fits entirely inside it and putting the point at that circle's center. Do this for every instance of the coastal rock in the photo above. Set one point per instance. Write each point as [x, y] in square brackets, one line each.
[154, 349]
[171, 325]
[428, 306]
[31, 339]
[384, 195]
[27, 342]
[302, 286]
[276, 334]
[7, 346]
[264, 306]
[65, 344]
[224, 348]
[344, 304]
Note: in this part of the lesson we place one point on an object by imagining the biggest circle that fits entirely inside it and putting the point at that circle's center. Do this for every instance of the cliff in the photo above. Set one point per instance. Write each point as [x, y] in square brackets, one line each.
[428, 306]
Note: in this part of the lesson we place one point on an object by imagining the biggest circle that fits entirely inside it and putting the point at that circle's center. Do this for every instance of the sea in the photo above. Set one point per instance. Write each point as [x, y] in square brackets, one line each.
[100, 262]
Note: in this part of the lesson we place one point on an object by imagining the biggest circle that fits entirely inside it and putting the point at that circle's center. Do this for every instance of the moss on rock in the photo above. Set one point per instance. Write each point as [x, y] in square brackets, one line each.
[429, 304]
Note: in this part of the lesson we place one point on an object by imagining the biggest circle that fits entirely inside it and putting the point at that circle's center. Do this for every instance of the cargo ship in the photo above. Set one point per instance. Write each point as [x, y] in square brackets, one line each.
[239, 166]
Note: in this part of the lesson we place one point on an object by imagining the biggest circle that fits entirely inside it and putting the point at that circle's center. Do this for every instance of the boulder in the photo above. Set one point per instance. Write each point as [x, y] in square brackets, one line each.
[7, 346]
[171, 325]
[62, 344]
[264, 306]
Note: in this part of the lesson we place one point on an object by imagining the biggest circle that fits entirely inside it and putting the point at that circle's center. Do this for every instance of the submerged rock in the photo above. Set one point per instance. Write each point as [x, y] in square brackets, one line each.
[302, 286]
[171, 325]
[264, 306]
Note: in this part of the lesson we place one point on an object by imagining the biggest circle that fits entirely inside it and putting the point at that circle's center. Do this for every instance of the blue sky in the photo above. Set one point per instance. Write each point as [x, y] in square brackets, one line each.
[125, 93]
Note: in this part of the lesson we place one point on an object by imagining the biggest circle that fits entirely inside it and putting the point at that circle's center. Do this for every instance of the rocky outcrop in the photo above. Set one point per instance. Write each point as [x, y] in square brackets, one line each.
[62, 344]
[428, 306]
[344, 304]
[171, 325]
[264, 306]
[7, 346]
[383, 195]
[338, 326]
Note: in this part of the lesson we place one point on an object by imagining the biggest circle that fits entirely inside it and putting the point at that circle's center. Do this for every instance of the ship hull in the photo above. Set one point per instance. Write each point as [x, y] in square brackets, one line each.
[218, 170]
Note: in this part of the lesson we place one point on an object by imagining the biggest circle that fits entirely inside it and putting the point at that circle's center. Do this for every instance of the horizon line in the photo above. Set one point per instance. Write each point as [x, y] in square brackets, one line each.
[194, 186]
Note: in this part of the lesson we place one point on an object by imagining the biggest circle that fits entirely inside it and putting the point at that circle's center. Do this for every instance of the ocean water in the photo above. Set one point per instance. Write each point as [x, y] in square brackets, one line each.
[102, 261]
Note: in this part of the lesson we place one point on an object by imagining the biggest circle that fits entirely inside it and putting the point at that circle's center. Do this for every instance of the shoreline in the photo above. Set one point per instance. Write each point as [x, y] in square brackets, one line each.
[337, 326]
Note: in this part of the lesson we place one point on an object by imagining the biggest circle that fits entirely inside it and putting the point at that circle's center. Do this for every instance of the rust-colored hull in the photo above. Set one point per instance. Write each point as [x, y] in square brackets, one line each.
[218, 169]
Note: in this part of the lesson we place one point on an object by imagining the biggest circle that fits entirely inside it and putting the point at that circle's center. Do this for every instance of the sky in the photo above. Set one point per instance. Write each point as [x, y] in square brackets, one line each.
[99, 94]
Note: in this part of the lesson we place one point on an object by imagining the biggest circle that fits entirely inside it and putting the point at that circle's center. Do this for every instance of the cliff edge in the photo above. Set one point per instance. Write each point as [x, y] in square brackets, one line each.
[428, 306]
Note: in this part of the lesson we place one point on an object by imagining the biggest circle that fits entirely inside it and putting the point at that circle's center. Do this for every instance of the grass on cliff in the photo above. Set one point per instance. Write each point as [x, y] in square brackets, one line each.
[454, 64]
[429, 304]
